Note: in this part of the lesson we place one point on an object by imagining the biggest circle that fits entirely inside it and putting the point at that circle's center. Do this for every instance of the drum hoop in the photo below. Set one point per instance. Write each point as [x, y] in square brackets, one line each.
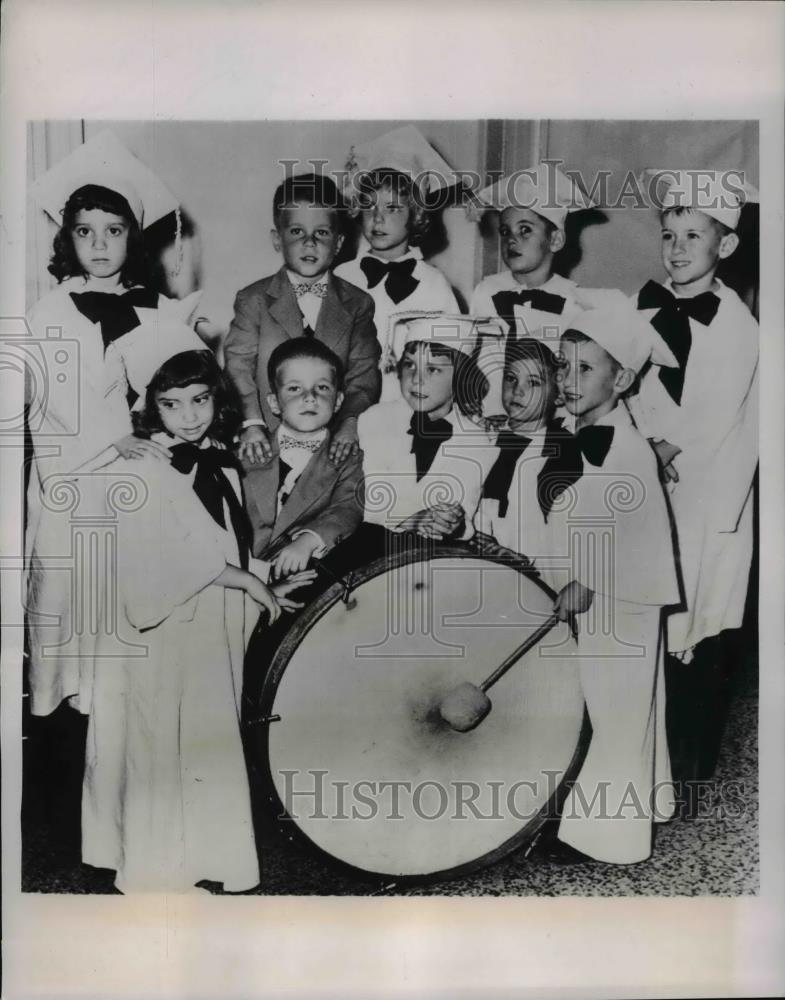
[283, 654]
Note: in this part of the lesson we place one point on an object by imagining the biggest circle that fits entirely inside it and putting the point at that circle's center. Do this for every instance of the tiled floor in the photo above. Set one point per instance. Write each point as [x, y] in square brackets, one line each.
[716, 853]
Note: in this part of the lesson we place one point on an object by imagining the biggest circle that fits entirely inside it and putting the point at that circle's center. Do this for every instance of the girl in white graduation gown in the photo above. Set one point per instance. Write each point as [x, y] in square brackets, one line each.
[532, 468]
[426, 455]
[165, 799]
[102, 197]
[387, 183]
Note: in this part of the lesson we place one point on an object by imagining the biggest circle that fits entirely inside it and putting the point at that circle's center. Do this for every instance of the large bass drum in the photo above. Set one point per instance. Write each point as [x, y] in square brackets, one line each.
[357, 754]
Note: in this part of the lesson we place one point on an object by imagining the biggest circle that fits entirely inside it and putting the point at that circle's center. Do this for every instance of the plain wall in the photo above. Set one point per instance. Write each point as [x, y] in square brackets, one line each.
[225, 173]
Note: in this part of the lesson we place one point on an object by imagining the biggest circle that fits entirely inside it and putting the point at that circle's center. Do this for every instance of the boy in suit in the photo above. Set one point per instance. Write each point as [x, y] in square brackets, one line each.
[299, 502]
[298, 493]
[303, 299]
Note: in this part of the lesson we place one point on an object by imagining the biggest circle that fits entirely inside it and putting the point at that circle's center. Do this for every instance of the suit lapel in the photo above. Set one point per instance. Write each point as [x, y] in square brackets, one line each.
[282, 304]
[333, 322]
[315, 483]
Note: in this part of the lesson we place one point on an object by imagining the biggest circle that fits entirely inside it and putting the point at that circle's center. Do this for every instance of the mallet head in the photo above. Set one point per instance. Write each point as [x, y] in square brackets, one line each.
[465, 707]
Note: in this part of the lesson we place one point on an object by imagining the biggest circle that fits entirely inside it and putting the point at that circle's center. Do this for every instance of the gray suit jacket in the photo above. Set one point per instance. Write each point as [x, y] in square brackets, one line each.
[327, 499]
[266, 314]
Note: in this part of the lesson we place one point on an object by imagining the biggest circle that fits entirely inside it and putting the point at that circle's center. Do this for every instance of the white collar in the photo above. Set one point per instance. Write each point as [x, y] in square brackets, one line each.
[619, 416]
[364, 250]
[166, 439]
[720, 291]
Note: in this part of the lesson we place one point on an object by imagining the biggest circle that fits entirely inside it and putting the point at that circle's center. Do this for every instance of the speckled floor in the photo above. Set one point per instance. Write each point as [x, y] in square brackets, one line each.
[715, 853]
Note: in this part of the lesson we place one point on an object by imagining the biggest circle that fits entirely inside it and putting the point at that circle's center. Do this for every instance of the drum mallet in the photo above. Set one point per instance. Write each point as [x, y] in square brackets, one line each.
[466, 706]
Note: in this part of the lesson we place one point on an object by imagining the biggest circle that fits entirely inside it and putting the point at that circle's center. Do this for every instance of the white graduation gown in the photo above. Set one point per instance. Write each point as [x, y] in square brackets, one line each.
[716, 426]
[432, 294]
[166, 800]
[392, 492]
[612, 525]
[523, 528]
[77, 409]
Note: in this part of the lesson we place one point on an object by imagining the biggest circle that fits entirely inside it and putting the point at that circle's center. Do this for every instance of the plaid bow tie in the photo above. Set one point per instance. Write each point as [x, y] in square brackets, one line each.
[308, 444]
[319, 289]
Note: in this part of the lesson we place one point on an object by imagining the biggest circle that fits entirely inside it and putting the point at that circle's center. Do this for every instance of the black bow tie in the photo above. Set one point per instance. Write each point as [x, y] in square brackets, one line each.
[564, 463]
[115, 313]
[504, 303]
[499, 480]
[400, 282]
[212, 487]
[672, 322]
[427, 435]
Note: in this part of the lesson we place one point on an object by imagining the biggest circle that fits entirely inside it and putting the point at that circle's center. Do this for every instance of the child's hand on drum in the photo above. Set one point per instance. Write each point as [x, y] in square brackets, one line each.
[295, 556]
[438, 521]
[283, 587]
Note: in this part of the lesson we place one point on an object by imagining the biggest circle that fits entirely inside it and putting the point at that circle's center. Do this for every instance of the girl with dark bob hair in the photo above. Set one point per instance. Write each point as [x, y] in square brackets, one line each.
[180, 371]
[91, 197]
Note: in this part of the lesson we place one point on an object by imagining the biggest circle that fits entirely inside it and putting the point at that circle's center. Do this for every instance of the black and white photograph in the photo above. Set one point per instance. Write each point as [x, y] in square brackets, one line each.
[391, 520]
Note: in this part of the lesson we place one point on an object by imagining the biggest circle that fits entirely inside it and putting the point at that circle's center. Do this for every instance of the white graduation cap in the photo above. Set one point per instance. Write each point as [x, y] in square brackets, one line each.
[718, 193]
[623, 332]
[544, 188]
[406, 150]
[105, 161]
[149, 345]
[454, 330]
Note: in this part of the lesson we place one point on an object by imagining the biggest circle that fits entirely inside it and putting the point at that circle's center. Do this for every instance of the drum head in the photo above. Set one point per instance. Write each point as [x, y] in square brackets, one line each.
[361, 759]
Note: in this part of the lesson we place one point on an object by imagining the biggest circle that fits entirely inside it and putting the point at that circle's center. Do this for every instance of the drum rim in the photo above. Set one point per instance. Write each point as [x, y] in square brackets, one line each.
[283, 654]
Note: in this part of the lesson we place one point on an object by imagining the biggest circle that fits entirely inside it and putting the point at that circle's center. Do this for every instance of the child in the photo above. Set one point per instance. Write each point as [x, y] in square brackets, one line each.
[103, 197]
[528, 295]
[298, 493]
[300, 504]
[303, 298]
[702, 419]
[389, 181]
[529, 472]
[165, 799]
[616, 536]
[426, 442]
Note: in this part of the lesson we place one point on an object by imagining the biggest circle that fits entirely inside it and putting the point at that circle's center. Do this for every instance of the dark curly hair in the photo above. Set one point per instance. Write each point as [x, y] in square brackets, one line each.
[64, 262]
[191, 368]
[469, 385]
[402, 187]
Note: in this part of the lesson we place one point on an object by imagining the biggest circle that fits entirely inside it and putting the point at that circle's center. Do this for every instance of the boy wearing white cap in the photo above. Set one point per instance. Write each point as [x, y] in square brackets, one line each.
[702, 418]
[533, 206]
[613, 541]
[426, 443]
[389, 182]
[102, 198]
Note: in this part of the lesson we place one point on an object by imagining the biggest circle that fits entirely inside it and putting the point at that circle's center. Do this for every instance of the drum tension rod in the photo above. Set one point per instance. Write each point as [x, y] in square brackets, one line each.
[264, 718]
[344, 582]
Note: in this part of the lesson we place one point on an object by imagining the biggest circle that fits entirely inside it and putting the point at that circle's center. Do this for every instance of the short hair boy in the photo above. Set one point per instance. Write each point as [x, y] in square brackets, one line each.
[303, 299]
[616, 543]
[702, 419]
[301, 504]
